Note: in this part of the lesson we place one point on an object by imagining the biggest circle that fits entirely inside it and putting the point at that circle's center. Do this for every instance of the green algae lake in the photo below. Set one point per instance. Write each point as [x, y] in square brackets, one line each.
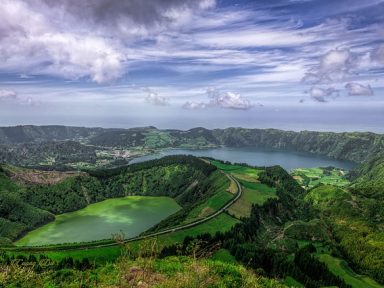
[131, 215]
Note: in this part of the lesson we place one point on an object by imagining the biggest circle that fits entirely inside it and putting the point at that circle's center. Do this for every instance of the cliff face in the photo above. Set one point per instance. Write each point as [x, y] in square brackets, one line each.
[355, 147]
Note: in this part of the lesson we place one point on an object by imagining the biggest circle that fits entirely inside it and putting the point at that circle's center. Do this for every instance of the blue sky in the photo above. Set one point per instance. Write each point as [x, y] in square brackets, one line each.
[292, 64]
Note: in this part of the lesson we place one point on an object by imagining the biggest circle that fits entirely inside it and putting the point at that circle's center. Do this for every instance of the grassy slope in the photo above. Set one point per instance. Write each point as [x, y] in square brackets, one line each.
[253, 191]
[215, 202]
[236, 168]
[340, 268]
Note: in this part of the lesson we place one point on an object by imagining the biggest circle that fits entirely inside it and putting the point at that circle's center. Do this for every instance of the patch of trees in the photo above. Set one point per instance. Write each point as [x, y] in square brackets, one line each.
[17, 216]
[305, 268]
[192, 161]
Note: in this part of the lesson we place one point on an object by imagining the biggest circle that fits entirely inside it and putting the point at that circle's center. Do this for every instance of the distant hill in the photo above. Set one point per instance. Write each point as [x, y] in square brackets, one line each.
[30, 133]
[352, 146]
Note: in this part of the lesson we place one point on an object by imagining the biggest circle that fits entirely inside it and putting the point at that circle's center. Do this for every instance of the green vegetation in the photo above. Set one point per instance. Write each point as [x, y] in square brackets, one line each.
[237, 169]
[248, 241]
[313, 230]
[253, 193]
[157, 139]
[24, 207]
[170, 272]
[325, 195]
[321, 236]
[258, 192]
[355, 217]
[221, 223]
[369, 179]
[131, 215]
[16, 215]
[219, 198]
[290, 282]
[224, 255]
[311, 177]
[340, 268]
[18, 142]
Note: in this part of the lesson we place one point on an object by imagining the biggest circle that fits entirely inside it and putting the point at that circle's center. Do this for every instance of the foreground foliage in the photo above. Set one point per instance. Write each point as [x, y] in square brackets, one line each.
[140, 271]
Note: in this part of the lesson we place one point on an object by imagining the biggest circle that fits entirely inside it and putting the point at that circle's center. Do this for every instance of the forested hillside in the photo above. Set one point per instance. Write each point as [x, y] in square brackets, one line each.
[89, 145]
[318, 227]
[259, 241]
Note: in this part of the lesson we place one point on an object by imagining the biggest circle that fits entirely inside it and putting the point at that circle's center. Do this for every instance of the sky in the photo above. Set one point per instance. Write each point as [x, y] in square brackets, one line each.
[288, 64]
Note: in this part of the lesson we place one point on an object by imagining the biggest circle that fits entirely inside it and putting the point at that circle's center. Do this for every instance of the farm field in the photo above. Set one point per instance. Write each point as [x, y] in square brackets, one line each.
[311, 177]
[253, 193]
[237, 169]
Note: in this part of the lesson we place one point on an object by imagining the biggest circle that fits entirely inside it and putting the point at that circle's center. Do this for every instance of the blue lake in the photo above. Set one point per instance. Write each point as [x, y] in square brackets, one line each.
[256, 157]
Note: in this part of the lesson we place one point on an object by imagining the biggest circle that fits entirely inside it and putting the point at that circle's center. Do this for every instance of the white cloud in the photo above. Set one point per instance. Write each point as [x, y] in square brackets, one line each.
[356, 89]
[227, 100]
[192, 105]
[322, 94]
[254, 37]
[85, 39]
[154, 99]
[332, 67]
[35, 46]
[7, 95]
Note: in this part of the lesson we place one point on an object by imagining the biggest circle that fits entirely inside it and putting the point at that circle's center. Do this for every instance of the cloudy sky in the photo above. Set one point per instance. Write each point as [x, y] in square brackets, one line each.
[291, 64]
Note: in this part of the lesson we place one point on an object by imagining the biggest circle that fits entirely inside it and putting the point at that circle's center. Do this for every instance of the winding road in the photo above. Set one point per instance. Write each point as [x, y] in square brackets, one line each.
[170, 230]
